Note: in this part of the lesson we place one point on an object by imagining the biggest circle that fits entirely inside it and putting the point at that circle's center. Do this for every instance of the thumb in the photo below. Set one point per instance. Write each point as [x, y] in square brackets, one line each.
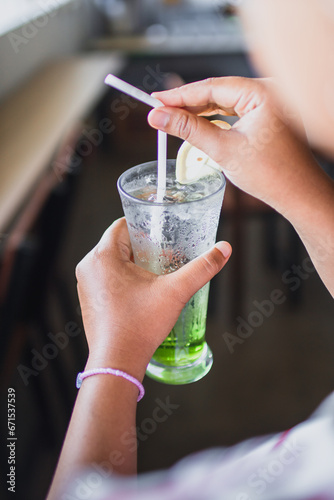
[198, 131]
[195, 274]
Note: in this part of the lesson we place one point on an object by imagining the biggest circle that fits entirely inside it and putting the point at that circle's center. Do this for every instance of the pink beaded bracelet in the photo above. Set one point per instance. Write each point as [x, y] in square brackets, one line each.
[110, 371]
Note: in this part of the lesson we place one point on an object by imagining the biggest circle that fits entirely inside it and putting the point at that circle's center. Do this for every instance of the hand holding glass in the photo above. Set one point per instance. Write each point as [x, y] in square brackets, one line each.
[165, 236]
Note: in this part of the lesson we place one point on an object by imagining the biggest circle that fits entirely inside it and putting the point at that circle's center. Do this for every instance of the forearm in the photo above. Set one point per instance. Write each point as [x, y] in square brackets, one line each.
[127, 313]
[312, 215]
[102, 432]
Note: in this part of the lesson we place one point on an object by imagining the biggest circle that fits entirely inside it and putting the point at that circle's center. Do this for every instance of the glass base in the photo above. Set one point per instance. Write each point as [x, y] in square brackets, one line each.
[179, 375]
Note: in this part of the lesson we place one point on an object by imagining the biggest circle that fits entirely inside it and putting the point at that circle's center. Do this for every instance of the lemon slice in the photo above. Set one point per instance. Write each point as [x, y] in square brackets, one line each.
[192, 163]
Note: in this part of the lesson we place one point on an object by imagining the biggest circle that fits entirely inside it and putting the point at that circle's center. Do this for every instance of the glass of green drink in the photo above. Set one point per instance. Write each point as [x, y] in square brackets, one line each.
[165, 236]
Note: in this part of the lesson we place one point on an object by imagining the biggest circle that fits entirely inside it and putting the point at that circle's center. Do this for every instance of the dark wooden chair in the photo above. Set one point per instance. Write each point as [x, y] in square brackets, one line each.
[28, 261]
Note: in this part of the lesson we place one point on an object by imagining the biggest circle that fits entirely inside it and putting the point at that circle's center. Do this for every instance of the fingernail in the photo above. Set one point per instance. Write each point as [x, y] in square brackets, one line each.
[224, 248]
[158, 118]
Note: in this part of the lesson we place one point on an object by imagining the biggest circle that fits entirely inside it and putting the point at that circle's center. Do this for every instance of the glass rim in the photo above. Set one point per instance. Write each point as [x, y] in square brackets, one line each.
[164, 204]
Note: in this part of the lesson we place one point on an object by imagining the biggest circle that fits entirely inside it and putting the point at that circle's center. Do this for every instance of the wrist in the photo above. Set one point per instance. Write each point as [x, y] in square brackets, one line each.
[310, 203]
[115, 373]
[130, 362]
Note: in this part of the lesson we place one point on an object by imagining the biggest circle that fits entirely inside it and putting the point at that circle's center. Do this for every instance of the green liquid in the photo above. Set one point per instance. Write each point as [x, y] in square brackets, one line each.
[186, 341]
[171, 354]
[165, 237]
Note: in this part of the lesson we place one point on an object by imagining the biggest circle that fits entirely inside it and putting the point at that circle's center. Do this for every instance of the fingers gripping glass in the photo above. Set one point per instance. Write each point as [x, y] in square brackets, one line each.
[165, 236]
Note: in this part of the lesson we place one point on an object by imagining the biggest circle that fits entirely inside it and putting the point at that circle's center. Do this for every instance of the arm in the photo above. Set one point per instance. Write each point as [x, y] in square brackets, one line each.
[260, 154]
[109, 286]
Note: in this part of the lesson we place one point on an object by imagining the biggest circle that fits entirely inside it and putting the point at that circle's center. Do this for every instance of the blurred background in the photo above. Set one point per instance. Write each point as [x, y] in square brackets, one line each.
[64, 140]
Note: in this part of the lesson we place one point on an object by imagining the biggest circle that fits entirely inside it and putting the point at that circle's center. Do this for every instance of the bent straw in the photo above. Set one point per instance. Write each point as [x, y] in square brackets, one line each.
[140, 95]
[127, 88]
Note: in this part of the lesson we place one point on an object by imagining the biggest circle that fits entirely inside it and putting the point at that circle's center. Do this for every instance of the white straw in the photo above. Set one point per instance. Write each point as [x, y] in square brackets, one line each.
[132, 91]
[162, 165]
[129, 89]
[156, 221]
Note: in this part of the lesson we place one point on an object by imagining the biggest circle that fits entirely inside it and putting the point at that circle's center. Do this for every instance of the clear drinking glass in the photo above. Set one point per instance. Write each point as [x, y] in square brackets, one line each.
[165, 236]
